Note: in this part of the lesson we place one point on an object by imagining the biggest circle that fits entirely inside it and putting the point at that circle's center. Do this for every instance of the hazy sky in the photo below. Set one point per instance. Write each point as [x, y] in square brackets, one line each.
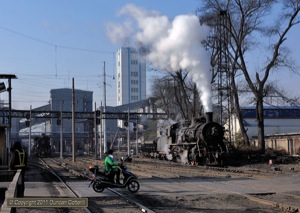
[47, 43]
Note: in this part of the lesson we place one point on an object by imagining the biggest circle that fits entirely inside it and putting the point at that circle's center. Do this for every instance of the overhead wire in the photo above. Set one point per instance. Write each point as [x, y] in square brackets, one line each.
[53, 44]
[56, 46]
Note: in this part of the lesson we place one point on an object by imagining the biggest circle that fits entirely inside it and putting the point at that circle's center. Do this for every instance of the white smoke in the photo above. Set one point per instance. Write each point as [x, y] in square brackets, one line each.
[173, 45]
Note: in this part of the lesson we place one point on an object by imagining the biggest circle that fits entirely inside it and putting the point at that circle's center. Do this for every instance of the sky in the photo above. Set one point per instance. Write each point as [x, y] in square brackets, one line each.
[48, 43]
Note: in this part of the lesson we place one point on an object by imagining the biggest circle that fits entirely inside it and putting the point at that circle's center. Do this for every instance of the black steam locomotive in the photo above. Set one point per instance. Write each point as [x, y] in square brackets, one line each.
[41, 147]
[201, 142]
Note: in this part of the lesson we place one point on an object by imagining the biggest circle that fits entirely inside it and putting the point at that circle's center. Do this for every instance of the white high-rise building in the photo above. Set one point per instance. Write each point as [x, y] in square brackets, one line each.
[131, 76]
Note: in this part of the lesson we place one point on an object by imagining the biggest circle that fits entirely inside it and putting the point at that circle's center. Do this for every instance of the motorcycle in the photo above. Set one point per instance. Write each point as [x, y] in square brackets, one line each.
[101, 180]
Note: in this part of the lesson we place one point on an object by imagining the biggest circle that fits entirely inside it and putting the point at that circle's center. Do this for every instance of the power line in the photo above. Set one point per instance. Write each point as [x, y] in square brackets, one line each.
[35, 82]
[53, 44]
[26, 36]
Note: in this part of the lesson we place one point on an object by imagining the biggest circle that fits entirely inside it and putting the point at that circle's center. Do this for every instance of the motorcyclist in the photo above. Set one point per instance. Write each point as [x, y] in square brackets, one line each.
[111, 167]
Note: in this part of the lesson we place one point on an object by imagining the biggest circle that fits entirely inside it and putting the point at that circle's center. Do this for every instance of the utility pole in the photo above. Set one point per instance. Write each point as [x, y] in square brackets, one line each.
[61, 130]
[29, 139]
[104, 109]
[128, 135]
[9, 112]
[136, 131]
[101, 132]
[73, 122]
[95, 130]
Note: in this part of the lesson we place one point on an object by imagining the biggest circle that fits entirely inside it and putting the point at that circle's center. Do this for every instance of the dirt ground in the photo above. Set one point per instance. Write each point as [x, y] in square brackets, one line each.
[203, 202]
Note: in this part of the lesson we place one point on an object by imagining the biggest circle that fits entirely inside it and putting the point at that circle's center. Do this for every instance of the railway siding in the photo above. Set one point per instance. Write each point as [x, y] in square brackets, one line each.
[171, 173]
[122, 199]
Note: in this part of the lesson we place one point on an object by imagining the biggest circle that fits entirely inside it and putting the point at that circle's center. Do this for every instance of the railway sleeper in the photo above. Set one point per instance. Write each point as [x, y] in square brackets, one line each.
[281, 206]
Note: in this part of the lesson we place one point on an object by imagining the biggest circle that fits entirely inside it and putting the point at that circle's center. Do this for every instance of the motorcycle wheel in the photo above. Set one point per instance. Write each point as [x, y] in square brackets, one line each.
[97, 186]
[133, 186]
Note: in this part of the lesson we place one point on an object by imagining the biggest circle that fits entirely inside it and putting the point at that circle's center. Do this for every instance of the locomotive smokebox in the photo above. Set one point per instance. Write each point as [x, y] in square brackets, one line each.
[209, 117]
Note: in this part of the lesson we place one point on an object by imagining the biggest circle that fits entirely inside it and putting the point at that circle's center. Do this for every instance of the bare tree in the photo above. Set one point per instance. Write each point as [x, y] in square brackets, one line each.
[275, 96]
[245, 25]
[178, 95]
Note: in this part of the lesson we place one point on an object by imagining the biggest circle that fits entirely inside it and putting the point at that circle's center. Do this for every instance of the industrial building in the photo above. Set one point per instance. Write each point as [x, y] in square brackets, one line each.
[61, 100]
[131, 76]
[281, 126]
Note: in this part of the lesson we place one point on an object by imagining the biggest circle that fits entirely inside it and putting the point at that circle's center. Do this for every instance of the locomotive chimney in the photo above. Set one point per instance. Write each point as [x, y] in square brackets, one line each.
[209, 117]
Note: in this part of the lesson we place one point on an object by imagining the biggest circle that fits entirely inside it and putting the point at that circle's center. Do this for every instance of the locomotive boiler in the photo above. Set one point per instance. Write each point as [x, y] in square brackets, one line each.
[41, 147]
[201, 142]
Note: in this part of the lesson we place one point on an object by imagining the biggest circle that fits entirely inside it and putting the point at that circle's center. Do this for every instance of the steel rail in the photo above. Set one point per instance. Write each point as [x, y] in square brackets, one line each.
[133, 202]
[124, 197]
[62, 181]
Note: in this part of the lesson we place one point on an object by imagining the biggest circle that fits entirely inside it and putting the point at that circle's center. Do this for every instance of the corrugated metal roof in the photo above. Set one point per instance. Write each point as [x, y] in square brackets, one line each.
[270, 112]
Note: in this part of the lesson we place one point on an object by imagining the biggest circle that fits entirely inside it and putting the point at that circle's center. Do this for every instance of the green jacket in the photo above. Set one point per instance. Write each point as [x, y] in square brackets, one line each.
[109, 164]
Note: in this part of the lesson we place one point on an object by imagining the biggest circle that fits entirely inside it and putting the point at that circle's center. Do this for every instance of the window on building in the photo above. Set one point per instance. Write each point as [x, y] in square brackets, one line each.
[135, 90]
[135, 62]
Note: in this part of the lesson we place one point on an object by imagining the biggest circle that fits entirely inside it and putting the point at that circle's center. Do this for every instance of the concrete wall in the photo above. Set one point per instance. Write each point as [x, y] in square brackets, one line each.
[288, 142]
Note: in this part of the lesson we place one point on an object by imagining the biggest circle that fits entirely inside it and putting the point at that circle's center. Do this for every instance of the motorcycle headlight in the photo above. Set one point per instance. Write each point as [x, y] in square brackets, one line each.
[92, 168]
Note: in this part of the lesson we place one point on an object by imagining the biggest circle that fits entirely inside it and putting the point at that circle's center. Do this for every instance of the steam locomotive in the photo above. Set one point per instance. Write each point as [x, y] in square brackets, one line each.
[41, 147]
[200, 142]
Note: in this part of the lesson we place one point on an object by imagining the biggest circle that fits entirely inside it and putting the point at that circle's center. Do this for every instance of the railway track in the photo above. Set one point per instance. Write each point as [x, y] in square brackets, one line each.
[39, 172]
[128, 202]
[168, 169]
[151, 168]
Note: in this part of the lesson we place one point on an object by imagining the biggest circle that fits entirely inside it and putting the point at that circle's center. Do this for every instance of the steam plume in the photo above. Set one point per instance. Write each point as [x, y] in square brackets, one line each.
[173, 44]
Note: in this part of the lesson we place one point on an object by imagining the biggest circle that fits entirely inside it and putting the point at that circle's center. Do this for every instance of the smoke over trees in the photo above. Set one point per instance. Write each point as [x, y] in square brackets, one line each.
[172, 45]
[176, 46]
